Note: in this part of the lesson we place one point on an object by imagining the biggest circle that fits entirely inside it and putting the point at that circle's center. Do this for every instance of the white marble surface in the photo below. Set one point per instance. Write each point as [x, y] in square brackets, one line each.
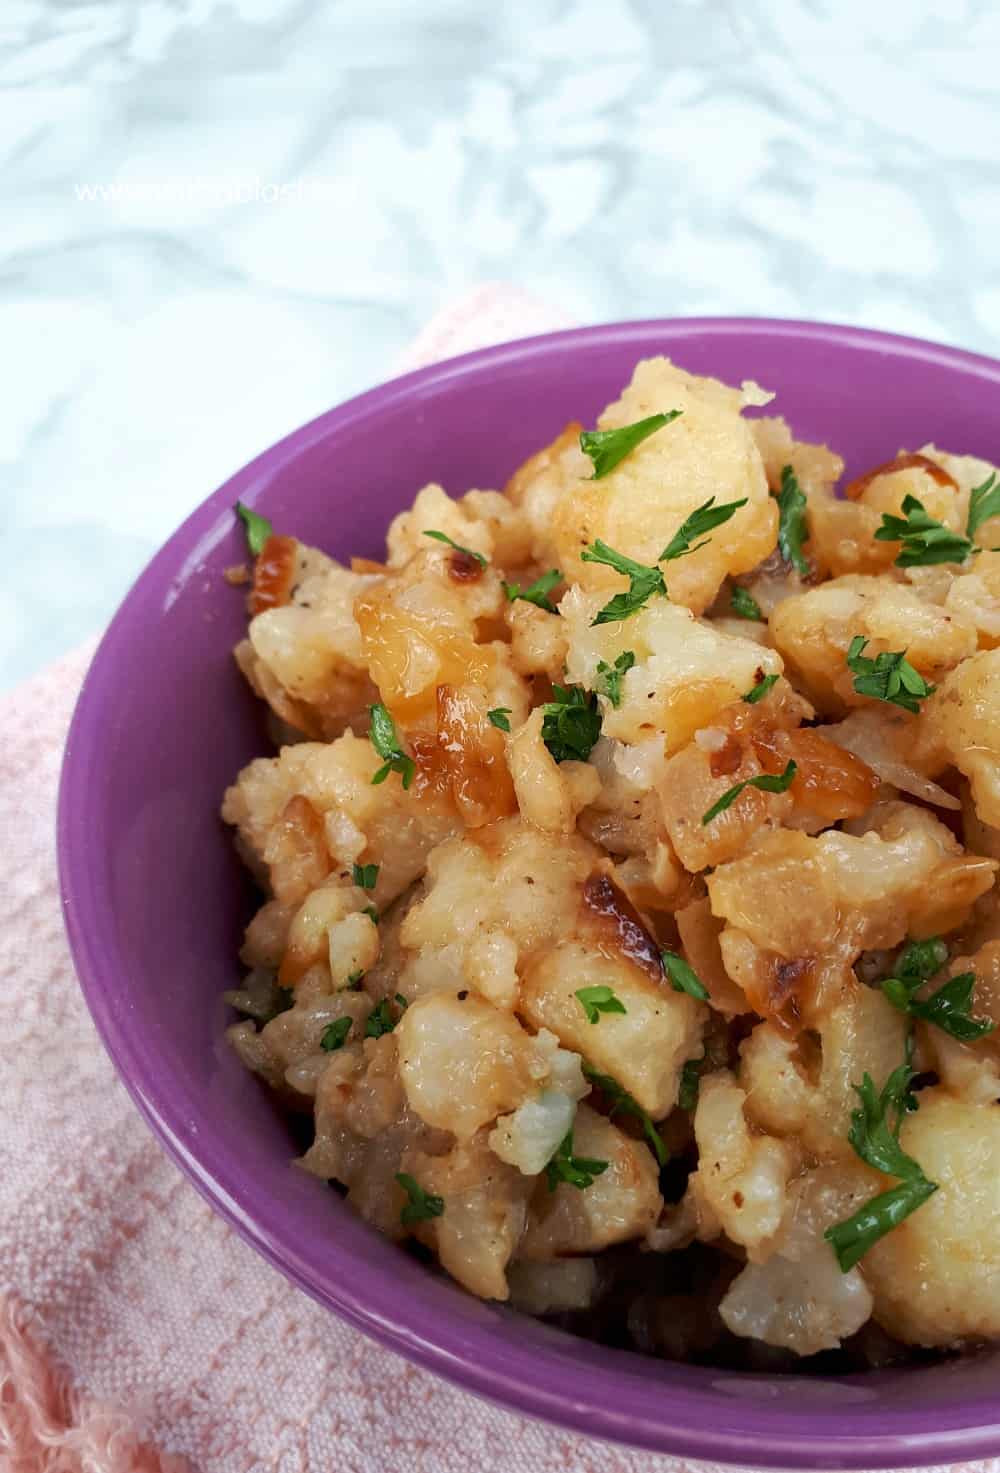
[821, 158]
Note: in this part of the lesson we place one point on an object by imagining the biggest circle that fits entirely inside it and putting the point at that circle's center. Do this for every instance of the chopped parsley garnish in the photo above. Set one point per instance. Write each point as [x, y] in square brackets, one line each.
[767, 783]
[949, 1007]
[607, 448]
[371, 913]
[450, 541]
[621, 1100]
[381, 1019]
[335, 1035]
[365, 875]
[571, 723]
[644, 581]
[704, 518]
[597, 1000]
[889, 677]
[421, 1206]
[744, 605]
[925, 540]
[792, 527]
[984, 502]
[761, 689]
[575, 1171]
[354, 980]
[499, 717]
[537, 593]
[919, 961]
[610, 677]
[687, 1094]
[681, 977]
[386, 743]
[257, 528]
[874, 1134]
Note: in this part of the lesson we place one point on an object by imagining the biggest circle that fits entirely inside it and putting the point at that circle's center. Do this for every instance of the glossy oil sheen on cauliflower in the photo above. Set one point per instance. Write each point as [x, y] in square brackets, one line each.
[628, 934]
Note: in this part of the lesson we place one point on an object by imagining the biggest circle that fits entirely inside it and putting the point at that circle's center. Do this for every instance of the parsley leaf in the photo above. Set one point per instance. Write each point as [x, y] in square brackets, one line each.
[644, 581]
[257, 528]
[354, 980]
[386, 743]
[874, 1134]
[571, 723]
[421, 1206]
[704, 518]
[575, 1171]
[450, 541]
[597, 1000]
[499, 717]
[371, 913]
[622, 1101]
[948, 1008]
[852, 1238]
[792, 527]
[744, 605]
[919, 961]
[607, 448]
[610, 682]
[760, 690]
[687, 1094]
[889, 677]
[681, 977]
[538, 593]
[984, 502]
[365, 876]
[381, 1019]
[335, 1035]
[767, 783]
[925, 540]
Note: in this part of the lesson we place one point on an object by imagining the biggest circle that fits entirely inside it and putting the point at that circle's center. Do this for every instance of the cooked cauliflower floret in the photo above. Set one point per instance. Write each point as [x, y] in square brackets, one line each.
[934, 1278]
[303, 654]
[686, 671]
[708, 452]
[813, 633]
[463, 1062]
[797, 1298]
[622, 1202]
[962, 724]
[485, 1208]
[493, 899]
[339, 816]
[742, 1177]
[644, 1047]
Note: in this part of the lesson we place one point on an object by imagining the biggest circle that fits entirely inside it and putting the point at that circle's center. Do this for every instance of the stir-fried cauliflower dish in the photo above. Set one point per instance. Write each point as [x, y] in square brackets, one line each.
[629, 941]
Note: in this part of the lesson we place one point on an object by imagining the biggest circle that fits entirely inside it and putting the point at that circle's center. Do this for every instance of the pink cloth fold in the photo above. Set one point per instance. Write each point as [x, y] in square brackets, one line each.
[138, 1333]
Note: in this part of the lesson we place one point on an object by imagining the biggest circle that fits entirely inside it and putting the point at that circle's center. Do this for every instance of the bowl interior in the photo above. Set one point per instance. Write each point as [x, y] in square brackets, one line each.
[155, 899]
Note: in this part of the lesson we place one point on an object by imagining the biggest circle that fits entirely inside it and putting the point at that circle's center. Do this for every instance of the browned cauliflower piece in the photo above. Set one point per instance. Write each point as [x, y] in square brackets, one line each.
[740, 1186]
[961, 724]
[708, 452]
[814, 630]
[485, 1207]
[686, 670]
[797, 1298]
[622, 1202]
[934, 1277]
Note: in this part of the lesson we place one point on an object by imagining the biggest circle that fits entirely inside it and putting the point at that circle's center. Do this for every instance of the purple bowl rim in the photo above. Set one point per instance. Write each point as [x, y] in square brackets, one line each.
[922, 1443]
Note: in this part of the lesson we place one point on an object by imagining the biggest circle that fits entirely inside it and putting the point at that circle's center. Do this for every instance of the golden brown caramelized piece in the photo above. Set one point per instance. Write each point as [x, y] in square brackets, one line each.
[274, 573]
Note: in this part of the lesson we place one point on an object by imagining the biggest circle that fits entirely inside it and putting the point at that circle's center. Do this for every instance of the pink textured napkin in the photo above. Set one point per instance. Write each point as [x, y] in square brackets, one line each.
[137, 1331]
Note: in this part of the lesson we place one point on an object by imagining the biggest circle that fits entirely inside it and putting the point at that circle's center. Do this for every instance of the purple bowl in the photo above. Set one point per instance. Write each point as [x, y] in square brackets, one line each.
[154, 900]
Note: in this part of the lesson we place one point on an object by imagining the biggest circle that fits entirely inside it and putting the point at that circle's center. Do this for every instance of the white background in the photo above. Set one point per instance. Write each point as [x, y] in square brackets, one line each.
[617, 158]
